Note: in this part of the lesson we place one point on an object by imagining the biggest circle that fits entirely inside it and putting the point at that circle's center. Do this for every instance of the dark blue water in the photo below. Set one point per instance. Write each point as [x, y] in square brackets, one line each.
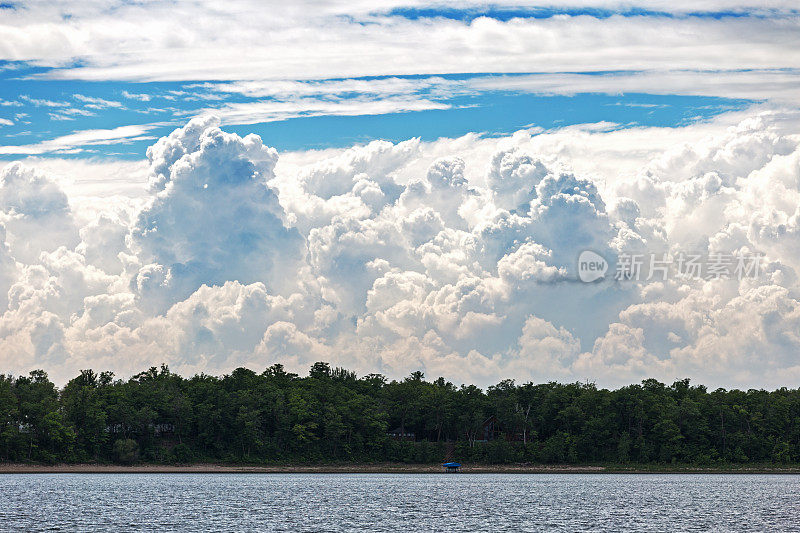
[392, 502]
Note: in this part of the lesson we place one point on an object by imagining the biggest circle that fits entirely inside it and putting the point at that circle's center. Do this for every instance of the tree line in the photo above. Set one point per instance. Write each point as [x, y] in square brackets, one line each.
[332, 415]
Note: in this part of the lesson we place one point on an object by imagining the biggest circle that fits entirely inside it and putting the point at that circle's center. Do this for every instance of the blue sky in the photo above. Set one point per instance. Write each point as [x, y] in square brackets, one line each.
[366, 75]
[506, 13]
[43, 109]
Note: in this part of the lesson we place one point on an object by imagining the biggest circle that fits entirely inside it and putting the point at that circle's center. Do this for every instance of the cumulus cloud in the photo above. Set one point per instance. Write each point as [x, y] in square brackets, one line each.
[213, 218]
[36, 213]
[457, 257]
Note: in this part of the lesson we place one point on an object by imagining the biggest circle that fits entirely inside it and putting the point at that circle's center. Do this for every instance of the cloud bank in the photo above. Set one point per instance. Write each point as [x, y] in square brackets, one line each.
[193, 41]
[456, 257]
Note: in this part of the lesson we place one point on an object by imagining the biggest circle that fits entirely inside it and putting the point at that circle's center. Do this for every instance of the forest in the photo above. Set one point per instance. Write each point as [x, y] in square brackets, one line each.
[332, 415]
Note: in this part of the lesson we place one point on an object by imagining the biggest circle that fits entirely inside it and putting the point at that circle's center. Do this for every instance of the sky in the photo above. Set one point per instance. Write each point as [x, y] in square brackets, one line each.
[563, 190]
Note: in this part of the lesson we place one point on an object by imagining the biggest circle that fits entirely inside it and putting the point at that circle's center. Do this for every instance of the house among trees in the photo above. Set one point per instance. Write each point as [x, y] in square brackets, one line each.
[492, 429]
[402, 434]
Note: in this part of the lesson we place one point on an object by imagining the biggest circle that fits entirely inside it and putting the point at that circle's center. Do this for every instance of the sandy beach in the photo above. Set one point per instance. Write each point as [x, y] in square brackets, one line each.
[376, 468]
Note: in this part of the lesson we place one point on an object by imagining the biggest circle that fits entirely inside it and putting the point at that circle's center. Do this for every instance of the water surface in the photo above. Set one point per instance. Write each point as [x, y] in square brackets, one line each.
[391, 502]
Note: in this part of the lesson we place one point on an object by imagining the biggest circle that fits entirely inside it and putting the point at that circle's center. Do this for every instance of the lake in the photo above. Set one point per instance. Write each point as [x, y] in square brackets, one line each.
[392, 502]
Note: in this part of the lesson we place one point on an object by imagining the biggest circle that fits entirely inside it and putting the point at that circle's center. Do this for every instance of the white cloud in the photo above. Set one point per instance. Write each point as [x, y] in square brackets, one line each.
[41, 102]
[272, 111]
[194, 41]
[35, 211]
[213, 217]
[142, 97]
[456, 256]
[87, 179]
[79, 139]
[776, 85]
[284, 99]
[96, 103]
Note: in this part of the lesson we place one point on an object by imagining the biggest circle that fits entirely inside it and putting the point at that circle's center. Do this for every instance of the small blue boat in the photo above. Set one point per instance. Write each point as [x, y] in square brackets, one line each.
[451, 467]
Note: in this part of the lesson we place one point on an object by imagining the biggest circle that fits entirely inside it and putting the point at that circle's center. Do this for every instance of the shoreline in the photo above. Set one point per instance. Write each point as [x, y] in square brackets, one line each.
[382, 468]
